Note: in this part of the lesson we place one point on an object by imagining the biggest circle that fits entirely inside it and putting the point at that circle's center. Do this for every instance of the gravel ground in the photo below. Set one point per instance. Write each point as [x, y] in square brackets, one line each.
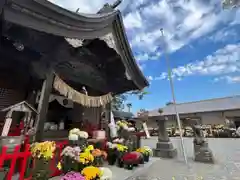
[226, 167]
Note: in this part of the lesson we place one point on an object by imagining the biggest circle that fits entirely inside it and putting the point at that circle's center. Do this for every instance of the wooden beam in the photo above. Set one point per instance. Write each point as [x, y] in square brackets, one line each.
[2, 4]
[43, 105]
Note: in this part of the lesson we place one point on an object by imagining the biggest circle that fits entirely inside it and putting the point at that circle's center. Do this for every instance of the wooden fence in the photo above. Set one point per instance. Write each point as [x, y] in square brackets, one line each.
[21, 156]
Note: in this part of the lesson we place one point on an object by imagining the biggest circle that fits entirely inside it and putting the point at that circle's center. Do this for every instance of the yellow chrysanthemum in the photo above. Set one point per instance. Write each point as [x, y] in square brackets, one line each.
[86, 157]
[91, 172]
[89, 148]
[141, 150]
[59, 166]
[43, 150]
[121, 147]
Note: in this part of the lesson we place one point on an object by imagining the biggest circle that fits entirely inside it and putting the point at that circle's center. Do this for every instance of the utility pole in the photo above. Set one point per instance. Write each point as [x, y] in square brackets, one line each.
[174, 99]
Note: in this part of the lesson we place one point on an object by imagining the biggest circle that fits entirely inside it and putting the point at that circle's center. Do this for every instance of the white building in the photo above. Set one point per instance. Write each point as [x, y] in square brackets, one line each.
[210, 111]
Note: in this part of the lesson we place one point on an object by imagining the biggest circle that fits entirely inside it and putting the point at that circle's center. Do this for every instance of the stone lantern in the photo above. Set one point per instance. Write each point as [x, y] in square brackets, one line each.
[164, 147]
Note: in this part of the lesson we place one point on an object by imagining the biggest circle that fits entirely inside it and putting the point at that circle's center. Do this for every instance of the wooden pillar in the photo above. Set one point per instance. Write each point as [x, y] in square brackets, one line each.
[2, 4]
[43, 105]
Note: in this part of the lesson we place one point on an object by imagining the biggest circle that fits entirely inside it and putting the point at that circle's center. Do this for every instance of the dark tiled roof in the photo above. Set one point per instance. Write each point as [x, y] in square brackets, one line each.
[123, 114]
[209, 105]
[44, 16]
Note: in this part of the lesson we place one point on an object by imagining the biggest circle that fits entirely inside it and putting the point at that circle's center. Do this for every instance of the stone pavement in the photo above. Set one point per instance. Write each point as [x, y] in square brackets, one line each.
[226, 167]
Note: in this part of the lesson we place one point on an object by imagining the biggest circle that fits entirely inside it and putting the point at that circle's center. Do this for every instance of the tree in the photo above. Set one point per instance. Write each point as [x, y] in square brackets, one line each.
[169, 103]
[160, 111]
[118, 102]
[138, 93]
[143, 113]
[227, 4]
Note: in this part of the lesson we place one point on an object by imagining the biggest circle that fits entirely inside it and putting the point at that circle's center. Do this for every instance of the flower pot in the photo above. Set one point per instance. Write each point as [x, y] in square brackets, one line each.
[112, 157]
[146, 158]
[119, 159]
[69, 164]
[41, 170]
[120, 163]
[98, 161]
[111, 160]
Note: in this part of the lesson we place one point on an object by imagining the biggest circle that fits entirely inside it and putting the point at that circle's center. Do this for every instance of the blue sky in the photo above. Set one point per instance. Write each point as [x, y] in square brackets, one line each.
[201, 39]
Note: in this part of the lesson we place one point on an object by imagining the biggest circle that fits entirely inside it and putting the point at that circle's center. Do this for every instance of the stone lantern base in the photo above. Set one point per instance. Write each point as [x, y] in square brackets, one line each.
[165, 150]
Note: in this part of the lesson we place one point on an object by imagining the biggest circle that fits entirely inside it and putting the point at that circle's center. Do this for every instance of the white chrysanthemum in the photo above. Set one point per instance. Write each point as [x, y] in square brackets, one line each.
[109, 144]
[131, 129]
[116, 140]
[121, 140]
[74, 131]
[114, 145]
[124, 126]
[83, 134]
[106, 173]
[73, 137]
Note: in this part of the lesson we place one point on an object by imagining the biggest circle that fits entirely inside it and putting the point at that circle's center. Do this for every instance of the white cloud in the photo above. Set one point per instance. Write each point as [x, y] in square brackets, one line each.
[223, 35]
[223, 61]
[146, 57]
[183, 21]
[228, 79]
[150, 78]
[133, 20]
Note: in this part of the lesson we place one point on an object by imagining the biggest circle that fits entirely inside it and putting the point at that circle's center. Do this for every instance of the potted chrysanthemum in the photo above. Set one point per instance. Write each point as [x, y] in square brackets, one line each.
[111, 153]
[99, 157]
[70, 157]
[121, 150]
[91, 173]
[42, 153]
[132, 159]
[146, 152]
[78, 138]
[85, 159]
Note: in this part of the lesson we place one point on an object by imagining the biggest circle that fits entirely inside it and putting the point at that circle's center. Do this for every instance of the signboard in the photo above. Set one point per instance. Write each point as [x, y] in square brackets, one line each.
[112, 127]
[6, 126]
[145, 128]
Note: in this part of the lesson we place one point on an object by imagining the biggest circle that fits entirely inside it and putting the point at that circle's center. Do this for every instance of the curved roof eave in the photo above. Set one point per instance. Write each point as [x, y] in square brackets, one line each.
[127, 55]
[47, 17]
